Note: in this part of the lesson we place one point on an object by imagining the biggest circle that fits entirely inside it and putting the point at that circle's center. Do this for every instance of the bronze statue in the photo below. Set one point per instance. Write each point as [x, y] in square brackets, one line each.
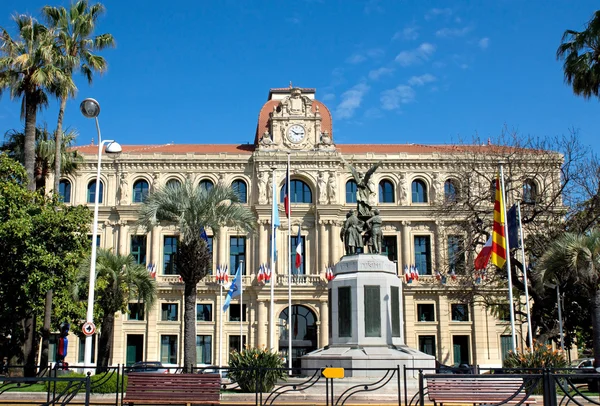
[363, 190]
[375, 233]
[352, 233]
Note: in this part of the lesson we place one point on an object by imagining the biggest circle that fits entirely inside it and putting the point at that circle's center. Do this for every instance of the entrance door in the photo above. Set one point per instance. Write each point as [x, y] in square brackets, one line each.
[135, 348]
[460, 346]
[303, 331]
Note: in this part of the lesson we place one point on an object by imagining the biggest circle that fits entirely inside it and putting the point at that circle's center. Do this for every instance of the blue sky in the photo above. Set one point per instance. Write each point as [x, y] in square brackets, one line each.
[390, 71]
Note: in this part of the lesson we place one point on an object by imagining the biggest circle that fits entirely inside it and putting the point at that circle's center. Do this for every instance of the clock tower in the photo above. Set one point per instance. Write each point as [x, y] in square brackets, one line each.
[293, 120]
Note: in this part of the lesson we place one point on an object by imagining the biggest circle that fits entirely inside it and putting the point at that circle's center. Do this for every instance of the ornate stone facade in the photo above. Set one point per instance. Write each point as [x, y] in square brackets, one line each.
[291, 122]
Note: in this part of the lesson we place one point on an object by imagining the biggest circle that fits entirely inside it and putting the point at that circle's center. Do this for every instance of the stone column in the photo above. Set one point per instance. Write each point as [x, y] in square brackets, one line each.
[406, 246]
[439, 245]
[324, 321]
[155, 244]
[323, 252]
[333, 242]
[263, 242]
[222, 248]
[123, 239]
[261, 324]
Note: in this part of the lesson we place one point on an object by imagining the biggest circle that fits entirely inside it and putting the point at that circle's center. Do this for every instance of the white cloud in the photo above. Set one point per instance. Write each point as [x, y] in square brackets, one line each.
[377, 73]
[434, 12]
[421, 80]
[375, 53]
[452, 32]
[407, 34]
[373, 112]
[373, 6]
[356, 58]
[392, 99]
[351, 100]
[484, 43]
[422, 53]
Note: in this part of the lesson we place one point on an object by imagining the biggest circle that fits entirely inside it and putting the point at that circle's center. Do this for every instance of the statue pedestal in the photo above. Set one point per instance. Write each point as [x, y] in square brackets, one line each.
[366, 319]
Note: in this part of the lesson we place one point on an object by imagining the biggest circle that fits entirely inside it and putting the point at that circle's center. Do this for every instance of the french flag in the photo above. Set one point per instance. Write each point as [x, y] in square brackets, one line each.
[298, 251]
[286, 193]
[481, 262]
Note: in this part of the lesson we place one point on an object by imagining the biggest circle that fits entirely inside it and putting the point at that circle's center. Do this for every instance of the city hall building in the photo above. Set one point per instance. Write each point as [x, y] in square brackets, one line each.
[408, 184]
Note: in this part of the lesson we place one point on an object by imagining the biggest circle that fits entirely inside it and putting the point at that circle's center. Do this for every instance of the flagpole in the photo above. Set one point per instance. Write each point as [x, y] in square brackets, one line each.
[289, 268]
[507, 248]
[273, 277]
[220, 322]
[522, 239]
[241, 265]
[560, 320]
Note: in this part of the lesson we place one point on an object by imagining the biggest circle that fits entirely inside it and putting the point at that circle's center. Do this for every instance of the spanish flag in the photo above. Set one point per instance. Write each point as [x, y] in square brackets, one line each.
[498, 237]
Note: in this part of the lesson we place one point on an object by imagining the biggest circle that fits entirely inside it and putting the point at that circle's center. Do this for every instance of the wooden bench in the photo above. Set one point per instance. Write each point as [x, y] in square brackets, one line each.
[187, 389]
[472, 390]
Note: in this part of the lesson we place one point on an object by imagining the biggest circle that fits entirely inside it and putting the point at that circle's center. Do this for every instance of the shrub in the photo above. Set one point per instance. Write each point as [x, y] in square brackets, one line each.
[254, 364]
[101, 383]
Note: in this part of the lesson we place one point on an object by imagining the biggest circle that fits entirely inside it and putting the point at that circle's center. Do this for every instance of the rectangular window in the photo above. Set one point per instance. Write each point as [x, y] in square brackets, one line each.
[456, 254]
[505, 346]
[209, 242]
[427, 344]
[168, 349]
[234, 343]
[302, 269]
[97, 240]
[395, 303]
[237, 253]
[234, 312]
[460, 312]
[390, 247]
[53, 347]
[329, 311]
[138, 248]
[169, 312]
[372, 311]
[426, 312]
[169, 254]
[344, 312]
[203, 312]
[81, 354]
[423, 254]
[204, 350]
[502, 312]
[136, 311]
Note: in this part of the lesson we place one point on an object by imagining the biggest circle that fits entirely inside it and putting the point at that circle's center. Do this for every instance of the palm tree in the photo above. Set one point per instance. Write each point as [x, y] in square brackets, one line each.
[73, 30]
[575, 259]
[28, 69]
[44, 152]
[192, 210]
[118, 280]
[581, 54]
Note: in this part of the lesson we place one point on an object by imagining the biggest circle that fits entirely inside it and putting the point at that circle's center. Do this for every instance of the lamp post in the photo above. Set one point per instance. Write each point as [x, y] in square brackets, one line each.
[91, 109]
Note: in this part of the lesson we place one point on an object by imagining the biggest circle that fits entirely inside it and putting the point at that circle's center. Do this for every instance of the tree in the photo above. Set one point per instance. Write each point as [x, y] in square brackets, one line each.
[547, 176]
[118, 280]
[41, 244]
[575, 259]
[73, 29]
[28, 69]
[193, 210]
[581, 54]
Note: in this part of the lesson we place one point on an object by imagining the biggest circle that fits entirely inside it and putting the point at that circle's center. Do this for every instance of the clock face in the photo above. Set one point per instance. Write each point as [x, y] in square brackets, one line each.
[296, 133]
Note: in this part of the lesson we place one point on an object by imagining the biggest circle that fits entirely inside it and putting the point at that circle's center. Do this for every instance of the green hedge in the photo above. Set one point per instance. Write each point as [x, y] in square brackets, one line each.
[107, 385]
[244, 368]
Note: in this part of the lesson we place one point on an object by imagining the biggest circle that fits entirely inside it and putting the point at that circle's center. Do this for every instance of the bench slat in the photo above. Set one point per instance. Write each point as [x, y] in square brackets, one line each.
[476, 390]
[173, 389]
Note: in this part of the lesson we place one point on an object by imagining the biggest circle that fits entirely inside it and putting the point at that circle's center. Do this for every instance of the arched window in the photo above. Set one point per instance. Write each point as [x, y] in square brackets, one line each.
[239, 186]
[450, 190]
[351, 191]
[529, 191]
[91, 192]
[386, 192]
[64, 191]
[173, 183]
[140, 190]
[299, 192]
[206, 185]
[419, 191]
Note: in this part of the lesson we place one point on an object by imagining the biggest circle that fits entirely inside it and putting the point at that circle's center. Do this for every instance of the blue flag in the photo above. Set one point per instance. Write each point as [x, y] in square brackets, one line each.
[203, 234]
[235, 289]
[512, 221]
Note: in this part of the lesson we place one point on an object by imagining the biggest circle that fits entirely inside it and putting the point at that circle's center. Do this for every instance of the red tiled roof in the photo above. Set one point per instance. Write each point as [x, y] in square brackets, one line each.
[175, 149]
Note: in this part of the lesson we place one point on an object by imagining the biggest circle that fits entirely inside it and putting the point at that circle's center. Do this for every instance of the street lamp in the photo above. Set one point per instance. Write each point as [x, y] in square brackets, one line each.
[91, 109]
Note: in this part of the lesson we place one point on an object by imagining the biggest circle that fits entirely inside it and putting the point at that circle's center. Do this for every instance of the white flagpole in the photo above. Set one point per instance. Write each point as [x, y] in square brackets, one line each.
[220, 321]
[273, 276]
[522, 239]
[241, 303]
[507, 248]
[290, 331]
[560, 320]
